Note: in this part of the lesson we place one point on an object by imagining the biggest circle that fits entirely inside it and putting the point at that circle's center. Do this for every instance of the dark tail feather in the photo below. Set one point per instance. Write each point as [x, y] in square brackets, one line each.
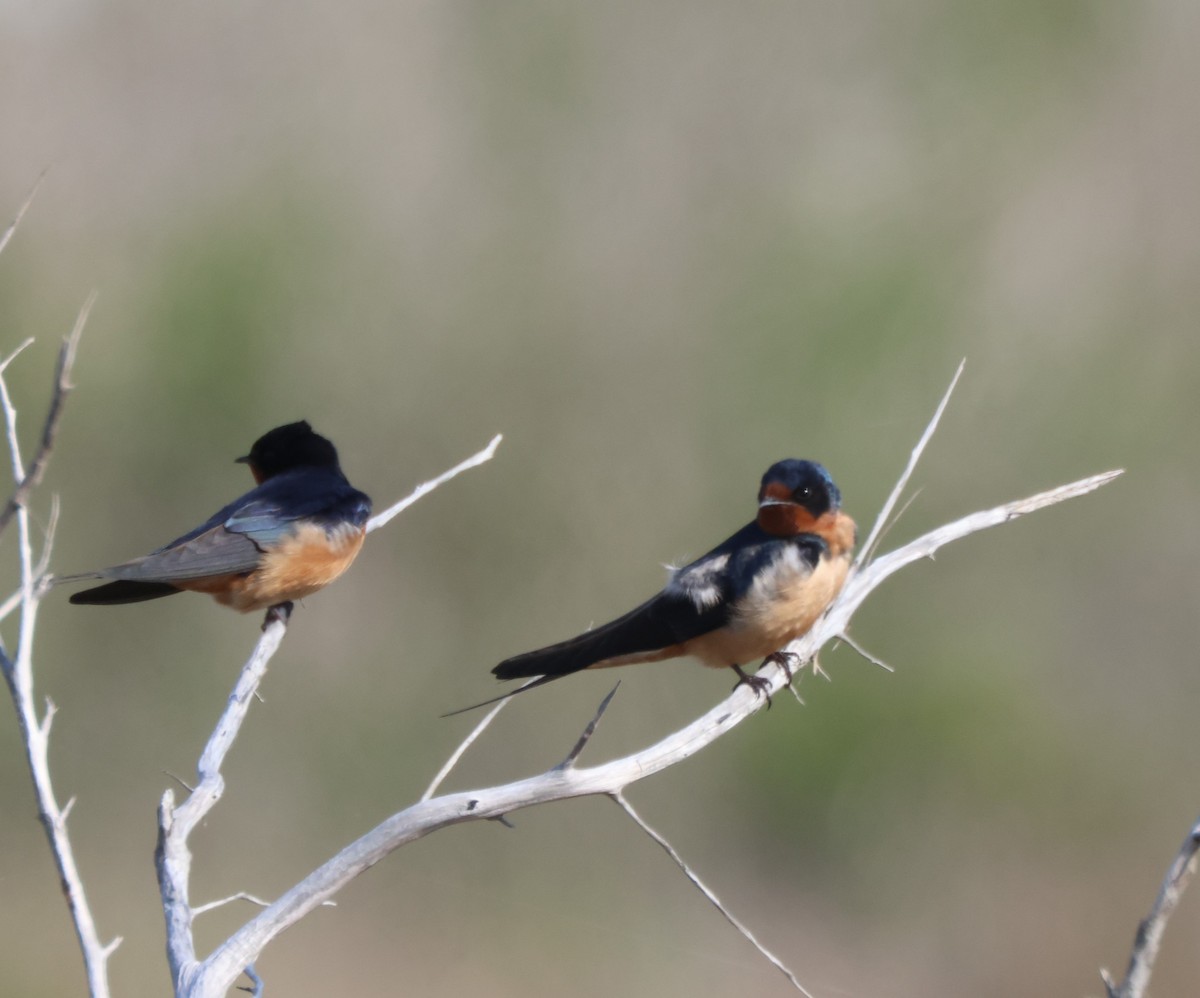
[557, 660]
[638, 631]
[123, 591]
[532, 684]
[546, 664]
[643, 634]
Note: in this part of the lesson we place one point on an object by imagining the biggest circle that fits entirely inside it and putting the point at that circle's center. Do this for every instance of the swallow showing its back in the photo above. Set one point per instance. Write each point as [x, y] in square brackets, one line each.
[292, 535]
[746, 599]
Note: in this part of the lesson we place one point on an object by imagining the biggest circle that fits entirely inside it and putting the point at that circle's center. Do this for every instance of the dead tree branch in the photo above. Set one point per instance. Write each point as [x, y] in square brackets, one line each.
[1151, 929]
[173, 858]
[62, 388]
[18, 667]
[566, 780]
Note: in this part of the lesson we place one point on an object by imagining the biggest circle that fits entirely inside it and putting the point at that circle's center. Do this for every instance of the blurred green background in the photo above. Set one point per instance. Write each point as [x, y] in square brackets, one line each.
[659, 247]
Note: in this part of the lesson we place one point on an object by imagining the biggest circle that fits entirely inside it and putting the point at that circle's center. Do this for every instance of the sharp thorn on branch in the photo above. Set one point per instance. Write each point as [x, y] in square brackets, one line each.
[863, 653]
[590, 730]
[180, 780]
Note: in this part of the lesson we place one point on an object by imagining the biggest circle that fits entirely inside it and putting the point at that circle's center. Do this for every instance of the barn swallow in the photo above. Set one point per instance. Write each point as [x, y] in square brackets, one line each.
[747, 598]
[292, 535]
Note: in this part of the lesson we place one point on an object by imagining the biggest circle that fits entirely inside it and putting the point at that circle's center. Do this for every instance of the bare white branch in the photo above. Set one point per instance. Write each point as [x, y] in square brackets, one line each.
[708, 893]
[212, 976]
[216, 973]
[379, 519]
[1150, 931]
[173, 858]
[18, 670]
[459, 752]
[881, 521]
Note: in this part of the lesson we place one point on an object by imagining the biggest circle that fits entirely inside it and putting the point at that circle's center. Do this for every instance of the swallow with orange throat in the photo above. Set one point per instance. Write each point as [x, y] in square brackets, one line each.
[746, 599]
[292, 535]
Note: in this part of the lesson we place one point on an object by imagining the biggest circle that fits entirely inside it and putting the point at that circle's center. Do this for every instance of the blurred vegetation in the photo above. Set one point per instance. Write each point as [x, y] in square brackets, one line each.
[659, 247]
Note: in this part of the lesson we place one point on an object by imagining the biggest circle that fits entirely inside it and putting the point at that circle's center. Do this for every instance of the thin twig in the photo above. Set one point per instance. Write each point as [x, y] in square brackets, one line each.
[10, 604]
[590, 730]
[48, 538]
[863, 653]
[715, 901]
[62, 388]
[21, 347]
[897, 517]
[12, 226]
[1150, 931]
[258, 989]
[10, 415]
[458, 753]
[881, 521]
[200, 909]
[379, 519]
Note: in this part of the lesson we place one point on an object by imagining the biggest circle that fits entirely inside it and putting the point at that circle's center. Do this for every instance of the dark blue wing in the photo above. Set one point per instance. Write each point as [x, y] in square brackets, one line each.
[698, 599]
[267, 512]
[233, 540]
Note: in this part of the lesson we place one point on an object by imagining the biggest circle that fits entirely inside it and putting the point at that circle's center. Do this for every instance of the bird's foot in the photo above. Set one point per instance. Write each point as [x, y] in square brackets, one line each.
[279, 612]
[760, 685]
[788, 661]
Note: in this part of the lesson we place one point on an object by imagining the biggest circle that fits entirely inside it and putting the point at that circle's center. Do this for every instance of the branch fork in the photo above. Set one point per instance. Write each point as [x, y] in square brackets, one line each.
[216, 973]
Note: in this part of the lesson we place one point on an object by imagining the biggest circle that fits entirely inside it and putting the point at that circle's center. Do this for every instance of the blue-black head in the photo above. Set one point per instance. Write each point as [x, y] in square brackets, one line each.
[800, 483]
[294, 445]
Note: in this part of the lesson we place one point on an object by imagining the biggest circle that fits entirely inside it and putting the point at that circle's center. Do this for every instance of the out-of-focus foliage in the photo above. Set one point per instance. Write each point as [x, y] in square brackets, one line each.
[659, 246]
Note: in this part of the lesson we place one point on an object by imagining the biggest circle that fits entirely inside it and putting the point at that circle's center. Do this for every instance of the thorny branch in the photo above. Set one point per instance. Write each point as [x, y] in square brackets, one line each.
[237, 954]
[567, 780]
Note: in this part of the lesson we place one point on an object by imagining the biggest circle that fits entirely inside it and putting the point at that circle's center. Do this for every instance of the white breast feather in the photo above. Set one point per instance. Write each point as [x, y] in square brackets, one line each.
[788, 567]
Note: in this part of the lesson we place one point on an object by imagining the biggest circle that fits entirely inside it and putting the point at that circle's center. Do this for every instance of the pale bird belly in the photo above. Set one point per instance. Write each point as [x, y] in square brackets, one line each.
[771, 616]
[298, 567]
